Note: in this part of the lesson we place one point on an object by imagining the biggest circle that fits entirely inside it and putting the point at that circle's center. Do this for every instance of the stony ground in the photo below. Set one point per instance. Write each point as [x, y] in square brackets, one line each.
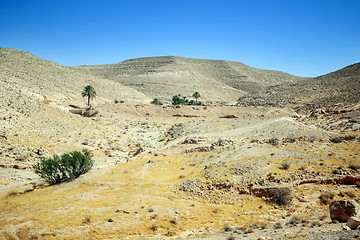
[194, 176]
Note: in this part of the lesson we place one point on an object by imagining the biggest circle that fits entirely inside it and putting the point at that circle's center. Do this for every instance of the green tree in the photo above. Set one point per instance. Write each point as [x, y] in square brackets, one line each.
[89, 92]
[179, 100]
[196, 95]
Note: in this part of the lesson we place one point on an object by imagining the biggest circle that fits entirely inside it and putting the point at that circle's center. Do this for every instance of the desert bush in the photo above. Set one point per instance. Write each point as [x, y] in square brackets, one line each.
[118, 101]
[193, 102]
[294, 221]
[274, 141]
[230, 237]
[354, 167]
[336, 140]
[90, 112]
[277, 225]
[154, 227]
[156, 101]
[227, 228]
[281, 196]
[326, 197]
[350, 193]
[285, 165]
[65, 168]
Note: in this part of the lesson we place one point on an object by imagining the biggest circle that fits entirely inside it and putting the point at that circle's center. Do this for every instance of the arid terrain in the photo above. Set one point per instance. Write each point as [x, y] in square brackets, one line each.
[216, 171]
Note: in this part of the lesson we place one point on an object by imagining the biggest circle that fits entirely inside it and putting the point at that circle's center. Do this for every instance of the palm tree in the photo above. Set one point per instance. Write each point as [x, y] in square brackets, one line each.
[196, 95]
[89, 92]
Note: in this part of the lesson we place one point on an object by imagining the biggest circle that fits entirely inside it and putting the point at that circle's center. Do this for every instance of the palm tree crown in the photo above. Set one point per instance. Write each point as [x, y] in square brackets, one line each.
[88, 92]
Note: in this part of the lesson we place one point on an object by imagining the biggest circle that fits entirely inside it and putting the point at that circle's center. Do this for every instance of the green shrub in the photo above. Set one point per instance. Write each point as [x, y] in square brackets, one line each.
[65, 168]
[117, 101]
[179, 100]
[156, 101]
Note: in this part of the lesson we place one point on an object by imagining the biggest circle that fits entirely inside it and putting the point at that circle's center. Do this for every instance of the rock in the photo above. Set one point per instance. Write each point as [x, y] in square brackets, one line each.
[353, 222]
[229, 116]
[346, 228]
[317, 112]
[138, 151]
[342, 210]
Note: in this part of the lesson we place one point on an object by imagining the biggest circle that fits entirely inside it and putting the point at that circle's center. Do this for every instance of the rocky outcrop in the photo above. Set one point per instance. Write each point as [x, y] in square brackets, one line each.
[344, 209]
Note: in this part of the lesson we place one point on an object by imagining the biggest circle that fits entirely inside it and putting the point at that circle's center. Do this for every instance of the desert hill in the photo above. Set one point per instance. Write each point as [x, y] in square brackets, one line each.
[164, 77]
[339, 88]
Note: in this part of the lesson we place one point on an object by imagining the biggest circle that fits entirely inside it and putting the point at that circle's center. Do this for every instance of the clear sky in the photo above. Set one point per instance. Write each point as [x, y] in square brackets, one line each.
[301, 37]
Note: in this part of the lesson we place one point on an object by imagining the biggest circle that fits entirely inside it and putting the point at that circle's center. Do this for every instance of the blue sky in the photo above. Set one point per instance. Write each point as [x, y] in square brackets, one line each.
[301, 37]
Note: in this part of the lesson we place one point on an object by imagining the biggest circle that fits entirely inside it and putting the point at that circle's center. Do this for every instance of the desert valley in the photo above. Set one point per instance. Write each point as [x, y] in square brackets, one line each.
[261, 158]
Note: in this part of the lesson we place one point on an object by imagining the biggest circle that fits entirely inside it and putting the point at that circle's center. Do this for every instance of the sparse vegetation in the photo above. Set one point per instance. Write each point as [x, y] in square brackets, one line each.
[118, 101]
[326, 197]
[89, 92]
[294, 221]
[231, 237]
[277, 225]
[65, 168]
[273, 141]
[182, 100]
[87, 219]
[156, 101]
[354, 167]
[154, 227]
[281, 196]
[285, 165]
[350, 194]
[90, 112]
[227, 228]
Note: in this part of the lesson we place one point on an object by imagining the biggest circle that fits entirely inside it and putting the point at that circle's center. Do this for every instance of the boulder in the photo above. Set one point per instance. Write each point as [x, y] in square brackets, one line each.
[353, 222]
[342, 210]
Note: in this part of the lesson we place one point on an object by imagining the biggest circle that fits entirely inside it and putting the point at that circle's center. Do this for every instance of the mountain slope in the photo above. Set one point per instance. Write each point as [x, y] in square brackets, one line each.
[36, 77]
[167, 76]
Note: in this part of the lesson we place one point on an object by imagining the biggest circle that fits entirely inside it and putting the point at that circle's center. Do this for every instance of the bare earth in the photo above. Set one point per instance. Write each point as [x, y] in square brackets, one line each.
[166, 172]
